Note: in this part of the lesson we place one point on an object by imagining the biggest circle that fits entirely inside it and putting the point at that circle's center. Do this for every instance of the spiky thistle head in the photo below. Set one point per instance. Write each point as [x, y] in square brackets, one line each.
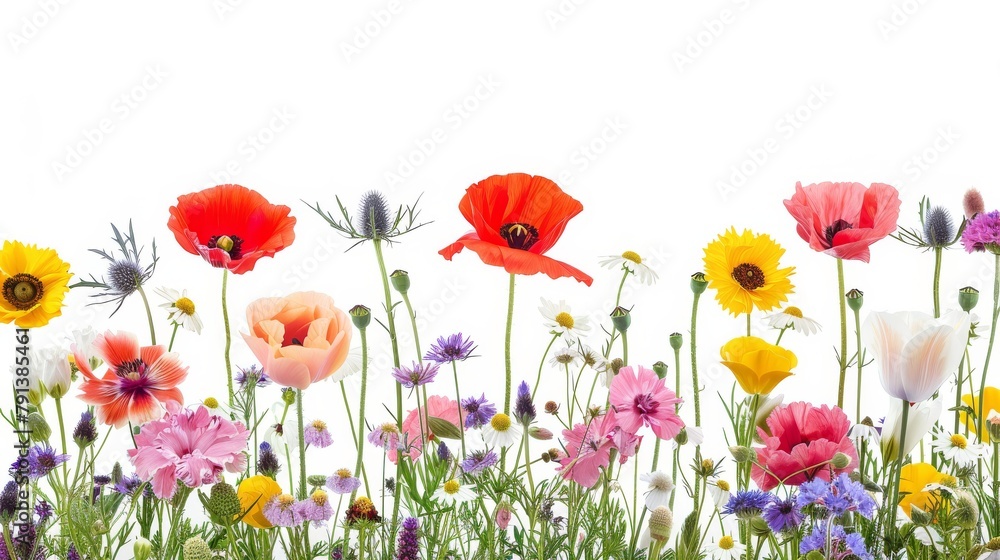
[374, 220]
[126, 274]
[939, 228]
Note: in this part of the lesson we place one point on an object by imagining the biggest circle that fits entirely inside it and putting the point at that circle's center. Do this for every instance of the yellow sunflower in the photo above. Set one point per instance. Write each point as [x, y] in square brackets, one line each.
[743, 269]
[34, 284]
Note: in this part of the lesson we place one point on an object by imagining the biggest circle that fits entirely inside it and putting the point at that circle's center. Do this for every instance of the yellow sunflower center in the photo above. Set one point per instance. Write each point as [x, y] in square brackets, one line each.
[500, 422]
[748, 276]
[726, 543]
[211, 402]
[185, 306]
[959, 441]
[22, 291]
[723, 485]
[344, 473]
[793, 311]
[452, 487]
[565, 320]
[632, 256]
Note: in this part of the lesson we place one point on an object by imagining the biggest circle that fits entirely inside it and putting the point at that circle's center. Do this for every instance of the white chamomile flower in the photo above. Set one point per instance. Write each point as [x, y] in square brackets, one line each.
[864, 432]
[215, 408]
[632, 262]
[565, 356]
[452, 492]
[181, 309]
[726, 548]
[559, 320]
[791, 318]
[592, 357]
[500, 431]
[957, 448]
[720, 491]
[660, 489]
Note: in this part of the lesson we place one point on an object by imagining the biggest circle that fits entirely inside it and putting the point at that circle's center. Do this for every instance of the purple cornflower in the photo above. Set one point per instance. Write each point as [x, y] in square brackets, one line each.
[317, 435]
[128, 485]
[982, 233]
[524, 409]
[842, 544]
[782, 515]
[43, 510]
[42, 460]
[840, 496]
[315, 508]
[252, 375]
[415, 375]
[478, 411]
[747, 504]
[343, 482]
[478, 461]
[409, 547]
[280, 511]
[450, 349]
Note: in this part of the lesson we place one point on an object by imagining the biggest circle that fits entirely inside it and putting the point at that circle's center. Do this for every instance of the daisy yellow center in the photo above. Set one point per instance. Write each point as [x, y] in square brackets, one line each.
[319, 425]
[723, 485]
[748, 276]
[726, 543]
[319, 497]
[565, 320]
[185, 306]
[959, 441]
[286, 500]
[344, 473]
[452, 487]
[22, 291]
[500, 422]
[632, 256]
[793, 311]
[211, 402]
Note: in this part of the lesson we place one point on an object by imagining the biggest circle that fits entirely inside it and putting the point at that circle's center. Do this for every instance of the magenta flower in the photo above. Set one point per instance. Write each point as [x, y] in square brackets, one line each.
[982, 233]
[189, 446]
[589, 447]
[643, 399]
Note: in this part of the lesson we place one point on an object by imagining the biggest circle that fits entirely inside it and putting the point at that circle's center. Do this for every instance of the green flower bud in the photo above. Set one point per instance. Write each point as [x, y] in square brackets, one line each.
[661, 369]
[993, 426]
[116, 473]
[968, 297]
[197, 549]
[814, 555]
[288, 396]
[965, 510]
[919, 516]
[759, 527]
[660, 523]
[840, 460]
[742, 454]
[676, 340]
[99, 527]
[223, 504]
[682, 437]
[400, 280]
[361, 316]
[621, 318]
[40, 430]
[142, 549]
[855, 299]
[616, 365]
[136, 430]
[698, 282]
[541, 434]
[316, 480]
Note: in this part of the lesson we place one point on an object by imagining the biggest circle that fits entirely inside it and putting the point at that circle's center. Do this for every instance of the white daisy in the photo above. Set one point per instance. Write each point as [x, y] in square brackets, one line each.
[792, 318]
[726, 548]
[181, 309]
[957, 448]
[560, 321]
[719, 490]
[452, 492]
[500, 431]
[632, 262]
[215, 408]
[863, 433]
[592, 357]
[660, 489]
[565, 356]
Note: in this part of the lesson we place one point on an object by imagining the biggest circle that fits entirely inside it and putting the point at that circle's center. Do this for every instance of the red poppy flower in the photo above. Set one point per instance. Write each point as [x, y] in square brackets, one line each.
[844, 219]
[517, 218]
[231, 226]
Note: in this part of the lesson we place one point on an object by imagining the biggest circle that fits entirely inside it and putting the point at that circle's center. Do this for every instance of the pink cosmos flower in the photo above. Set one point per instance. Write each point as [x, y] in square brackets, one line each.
[643, 399]
[437, 407]
[844, 219]
[803, 440]
[589, 447]
[190, 446]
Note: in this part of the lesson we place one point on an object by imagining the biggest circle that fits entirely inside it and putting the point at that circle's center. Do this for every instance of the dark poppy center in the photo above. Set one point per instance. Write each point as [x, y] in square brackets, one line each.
[835, 228]
[749, 276]
[645, 404]
[232, 244]
[132, 369]
[519, 235]
[22, 291]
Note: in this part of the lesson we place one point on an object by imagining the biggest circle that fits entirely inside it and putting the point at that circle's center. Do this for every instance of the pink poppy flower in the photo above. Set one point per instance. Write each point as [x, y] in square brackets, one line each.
[803, 440]
[437, 407]
[844, 219]
[589, 447]
[642, 398]
[190, 446]
[137, 383]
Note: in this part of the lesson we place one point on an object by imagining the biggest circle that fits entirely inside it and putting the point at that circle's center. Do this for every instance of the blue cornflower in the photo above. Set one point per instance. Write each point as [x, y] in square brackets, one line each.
[42, 459]
[478, 412]
[252, 375]
[450, 349]
[747, 503]
[840, 496]
[842, 544]
[478, 461]
[782, 515]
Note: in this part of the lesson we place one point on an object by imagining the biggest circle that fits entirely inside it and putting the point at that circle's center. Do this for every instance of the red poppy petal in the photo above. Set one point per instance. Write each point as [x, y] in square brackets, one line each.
[114, 413]
[166, 372]
[116, 348]
[516, 261]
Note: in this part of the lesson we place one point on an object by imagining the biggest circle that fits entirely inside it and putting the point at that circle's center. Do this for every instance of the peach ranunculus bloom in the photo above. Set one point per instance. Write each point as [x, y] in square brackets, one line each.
[299, 339]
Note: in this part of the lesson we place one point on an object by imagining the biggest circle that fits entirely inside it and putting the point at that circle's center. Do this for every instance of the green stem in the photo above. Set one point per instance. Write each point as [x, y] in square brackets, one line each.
[857, 330]
[391, 320]
[506, 353]
[361, 411]
[624, 348]
[413, 324]
[173, 335]
[989, 349]
[62, 436]
[748, 323]
[694, 380]
[843, 332]
[538, 378]
[288, 453]
[458, 399]
[229, 338]
[899, 460]
[149, 315]
[938, 251]
[781, 333]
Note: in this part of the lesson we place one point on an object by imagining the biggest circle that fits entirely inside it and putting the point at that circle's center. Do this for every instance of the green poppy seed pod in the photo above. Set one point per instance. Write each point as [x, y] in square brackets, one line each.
[676, 340]
[661, 369]
[660, 523]
[288, 396]
[400, 280]
[855, 299]
[698, 282]
[968, 297]
[196, 548]
[965, 510]
[142, 549]
[682, 437]
[742, 454]
[40, 430]
[136, 430]
[621, 318]
[225, 243]
[759, 527]
[840, 460]
[361, 316]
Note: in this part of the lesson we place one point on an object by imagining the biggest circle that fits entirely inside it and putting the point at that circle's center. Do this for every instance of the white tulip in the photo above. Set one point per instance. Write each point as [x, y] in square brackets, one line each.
[920, 420]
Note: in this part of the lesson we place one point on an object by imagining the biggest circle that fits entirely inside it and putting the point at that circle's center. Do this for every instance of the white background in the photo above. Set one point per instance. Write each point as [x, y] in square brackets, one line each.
[645, 112]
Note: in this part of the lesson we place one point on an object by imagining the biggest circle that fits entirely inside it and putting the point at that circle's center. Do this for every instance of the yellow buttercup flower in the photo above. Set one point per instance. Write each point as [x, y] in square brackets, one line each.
[913, 480]
[35, 281]
[743, 270]
[254, 493]
[990, 403]
[757, 364]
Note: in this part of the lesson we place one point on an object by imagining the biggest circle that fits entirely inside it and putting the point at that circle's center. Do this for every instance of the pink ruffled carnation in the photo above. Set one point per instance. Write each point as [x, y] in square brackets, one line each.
[189, 446]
